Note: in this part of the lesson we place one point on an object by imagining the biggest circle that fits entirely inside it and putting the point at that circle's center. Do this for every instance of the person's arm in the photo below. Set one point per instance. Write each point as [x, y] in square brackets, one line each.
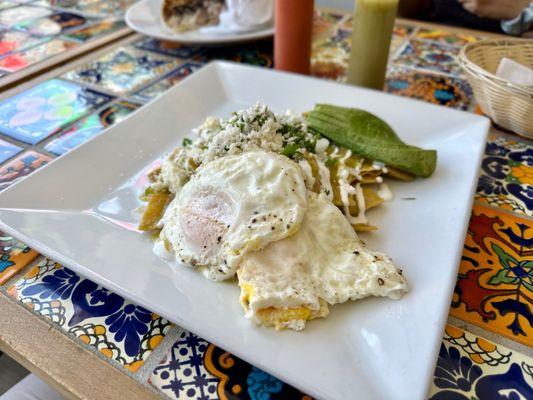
[413, 8]
[516, 15]
[495, 9]
[522, 25]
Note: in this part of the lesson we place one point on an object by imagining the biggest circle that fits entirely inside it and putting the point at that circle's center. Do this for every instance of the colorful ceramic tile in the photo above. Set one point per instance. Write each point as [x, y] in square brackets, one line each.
[332, 16]
[168, 48]
[259, 54]
[36, 113]
[397, 43]
[14, 255]
[100, 8]
[472, 368]
[154, 90]
[432, 56]
[330, 56]
[8, 150]
[90, 126]
[21, 166]
[52, 25]
[196, 369]
[123, 70]
[506, 179]
[120, 330]
[324, 21]
[123, 5]
[402, 30]
[12, 16]
[23, 59]
[446, 37]
[495, 284]
[97, 30]
[329, 63]
[16, 41]
[436, 89]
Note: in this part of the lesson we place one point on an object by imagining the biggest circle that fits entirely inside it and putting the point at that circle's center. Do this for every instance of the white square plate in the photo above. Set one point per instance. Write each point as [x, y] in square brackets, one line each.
[78, 211]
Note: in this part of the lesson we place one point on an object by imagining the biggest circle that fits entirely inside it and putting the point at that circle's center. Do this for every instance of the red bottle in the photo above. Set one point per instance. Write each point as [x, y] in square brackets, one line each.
[292, 40]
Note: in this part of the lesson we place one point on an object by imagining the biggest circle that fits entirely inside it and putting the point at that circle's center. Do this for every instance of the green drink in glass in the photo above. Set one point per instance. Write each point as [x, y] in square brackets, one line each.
[373, 23]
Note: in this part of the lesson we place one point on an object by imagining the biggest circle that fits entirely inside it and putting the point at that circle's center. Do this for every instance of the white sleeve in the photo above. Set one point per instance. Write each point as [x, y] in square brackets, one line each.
[520, 24]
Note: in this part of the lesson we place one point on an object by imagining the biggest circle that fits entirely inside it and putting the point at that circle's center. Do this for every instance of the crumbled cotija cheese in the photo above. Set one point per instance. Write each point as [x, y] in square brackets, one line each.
[255, 128]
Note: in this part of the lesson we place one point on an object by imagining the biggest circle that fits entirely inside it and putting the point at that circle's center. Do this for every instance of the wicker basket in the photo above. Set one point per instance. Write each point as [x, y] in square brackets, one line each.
[507, 104]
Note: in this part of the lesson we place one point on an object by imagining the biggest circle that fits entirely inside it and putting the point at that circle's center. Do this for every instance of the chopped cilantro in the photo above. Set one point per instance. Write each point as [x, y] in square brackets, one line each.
[186, 142]
[294, 134]
[290, 149]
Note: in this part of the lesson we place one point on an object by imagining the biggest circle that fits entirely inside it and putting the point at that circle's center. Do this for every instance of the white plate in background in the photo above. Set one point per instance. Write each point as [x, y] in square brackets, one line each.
[145, 17]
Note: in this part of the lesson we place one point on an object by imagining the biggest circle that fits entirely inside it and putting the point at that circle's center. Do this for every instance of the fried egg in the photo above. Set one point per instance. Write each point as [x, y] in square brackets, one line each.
[293, 280]
[232, 206]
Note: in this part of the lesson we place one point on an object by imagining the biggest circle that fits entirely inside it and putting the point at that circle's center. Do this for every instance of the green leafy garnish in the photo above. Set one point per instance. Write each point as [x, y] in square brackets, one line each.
[186, 142]
[370, 137]
[290, 149]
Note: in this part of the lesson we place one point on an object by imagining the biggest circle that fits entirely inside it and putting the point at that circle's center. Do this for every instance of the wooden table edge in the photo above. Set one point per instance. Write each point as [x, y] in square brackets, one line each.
[56, 358]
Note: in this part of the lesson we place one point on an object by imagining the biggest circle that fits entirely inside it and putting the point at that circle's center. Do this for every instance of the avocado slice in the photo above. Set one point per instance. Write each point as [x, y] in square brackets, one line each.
[369, 136]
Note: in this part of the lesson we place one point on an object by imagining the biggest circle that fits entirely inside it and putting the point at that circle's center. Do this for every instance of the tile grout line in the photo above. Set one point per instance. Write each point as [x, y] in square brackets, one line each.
[114, 96]
[501, 210]
[491, 336]
[155, 357]
[43, 143]
[23, 271]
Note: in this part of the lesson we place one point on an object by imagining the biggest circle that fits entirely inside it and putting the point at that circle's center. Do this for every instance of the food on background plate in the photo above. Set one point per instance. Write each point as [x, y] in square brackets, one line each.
[217, 16]
[269, 199]
[183, 15]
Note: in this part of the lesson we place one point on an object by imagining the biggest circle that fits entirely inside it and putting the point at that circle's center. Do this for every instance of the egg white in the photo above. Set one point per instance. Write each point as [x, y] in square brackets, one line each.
[232, 206]
[323, 261]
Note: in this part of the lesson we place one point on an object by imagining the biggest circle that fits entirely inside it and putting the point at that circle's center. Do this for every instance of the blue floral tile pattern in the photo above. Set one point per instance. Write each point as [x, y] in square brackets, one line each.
[433, 88]
[182, 374]
[120, 330]
[506, 179]
[430, 56]
[123, 70]
[194, 369]
[468, 368]
[472, 368]
[38, 112]
[159, 87]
